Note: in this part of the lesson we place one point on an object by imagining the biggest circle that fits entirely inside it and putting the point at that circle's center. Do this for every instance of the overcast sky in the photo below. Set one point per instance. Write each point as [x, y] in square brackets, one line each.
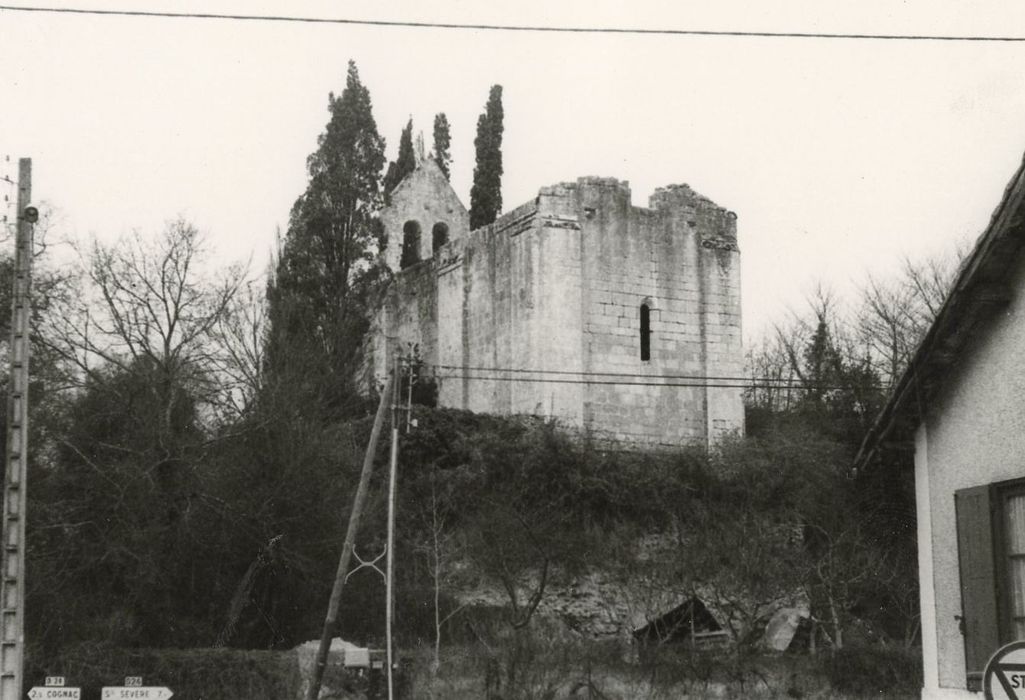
[838, 156]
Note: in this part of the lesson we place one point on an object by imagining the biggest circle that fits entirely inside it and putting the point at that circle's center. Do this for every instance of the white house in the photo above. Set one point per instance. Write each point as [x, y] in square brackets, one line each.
[961, 404]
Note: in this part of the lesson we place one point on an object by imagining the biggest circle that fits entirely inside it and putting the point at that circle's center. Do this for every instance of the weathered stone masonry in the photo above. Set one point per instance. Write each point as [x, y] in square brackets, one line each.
[555, 289]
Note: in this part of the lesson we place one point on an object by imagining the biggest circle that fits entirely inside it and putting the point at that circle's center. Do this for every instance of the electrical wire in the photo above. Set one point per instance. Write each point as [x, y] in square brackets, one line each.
[640, 31]
[699, 380]
[745, 384]
[463, 368]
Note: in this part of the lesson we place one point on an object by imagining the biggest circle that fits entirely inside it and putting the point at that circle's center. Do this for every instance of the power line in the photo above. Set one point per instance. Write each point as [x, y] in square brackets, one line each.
[512, 370]
[748, 384]
[637, 31]
[700, 379]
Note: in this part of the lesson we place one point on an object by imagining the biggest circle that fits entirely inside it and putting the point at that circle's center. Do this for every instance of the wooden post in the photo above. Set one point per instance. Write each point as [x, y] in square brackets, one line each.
[389, 604]
[350, 539]
[12, 568]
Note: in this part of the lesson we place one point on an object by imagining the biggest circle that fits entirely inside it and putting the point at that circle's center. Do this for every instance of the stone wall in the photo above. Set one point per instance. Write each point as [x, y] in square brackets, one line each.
[540, 313]
[678, 258]
[423, 200]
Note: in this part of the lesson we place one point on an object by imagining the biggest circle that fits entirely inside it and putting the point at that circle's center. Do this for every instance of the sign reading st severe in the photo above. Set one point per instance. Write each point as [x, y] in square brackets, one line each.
[1004, 678]
[136, 693]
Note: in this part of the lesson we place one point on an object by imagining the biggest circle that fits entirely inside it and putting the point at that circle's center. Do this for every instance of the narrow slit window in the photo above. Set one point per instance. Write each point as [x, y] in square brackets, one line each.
[645, 333]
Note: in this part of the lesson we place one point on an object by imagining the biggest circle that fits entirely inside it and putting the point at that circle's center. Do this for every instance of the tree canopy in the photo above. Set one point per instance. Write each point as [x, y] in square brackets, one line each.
[405, 163]
[486, 193]
[442, 144]
[329, 248]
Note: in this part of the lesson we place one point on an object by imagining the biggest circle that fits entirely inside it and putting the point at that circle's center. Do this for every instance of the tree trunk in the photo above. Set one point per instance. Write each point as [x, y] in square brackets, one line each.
[837, 631]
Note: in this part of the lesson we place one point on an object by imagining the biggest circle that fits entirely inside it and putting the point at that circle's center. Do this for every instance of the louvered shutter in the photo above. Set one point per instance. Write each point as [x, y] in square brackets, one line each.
[978, 582]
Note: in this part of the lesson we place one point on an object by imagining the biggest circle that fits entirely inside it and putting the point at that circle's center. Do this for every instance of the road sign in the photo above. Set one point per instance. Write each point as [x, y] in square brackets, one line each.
[1004, 678]
[136, 693]
[55, 693]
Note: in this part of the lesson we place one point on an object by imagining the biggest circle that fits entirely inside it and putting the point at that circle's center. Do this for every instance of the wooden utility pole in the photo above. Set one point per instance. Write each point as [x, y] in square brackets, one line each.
[389, 580]
[355, 515]
[12, 568]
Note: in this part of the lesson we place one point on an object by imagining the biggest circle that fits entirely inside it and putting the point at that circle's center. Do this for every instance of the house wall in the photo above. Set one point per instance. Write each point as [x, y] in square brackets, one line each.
[973, 435]
[553, 289]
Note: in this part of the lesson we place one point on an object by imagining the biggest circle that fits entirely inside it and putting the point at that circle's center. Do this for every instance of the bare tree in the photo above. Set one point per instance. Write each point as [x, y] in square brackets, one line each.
[517, 550]
[130, 441]
[784, 368]
[886, 323]
[773, 378]
[843, 559]
[239, 337]
[894, 315]
[888, 320]
[151, 306]
[439, 545]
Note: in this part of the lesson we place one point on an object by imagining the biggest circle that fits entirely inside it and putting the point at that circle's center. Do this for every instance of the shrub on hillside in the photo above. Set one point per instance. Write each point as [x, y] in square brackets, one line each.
[867, 670]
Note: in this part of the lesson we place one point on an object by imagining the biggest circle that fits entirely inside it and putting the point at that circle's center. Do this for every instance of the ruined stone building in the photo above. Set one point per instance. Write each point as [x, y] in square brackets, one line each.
[621, 321]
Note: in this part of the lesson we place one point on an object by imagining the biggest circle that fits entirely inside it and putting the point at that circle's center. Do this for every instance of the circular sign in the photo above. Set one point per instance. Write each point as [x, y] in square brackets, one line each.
[1004, 678]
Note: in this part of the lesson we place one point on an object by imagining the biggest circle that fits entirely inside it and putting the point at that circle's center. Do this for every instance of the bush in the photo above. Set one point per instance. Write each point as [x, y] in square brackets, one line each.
[875, 669]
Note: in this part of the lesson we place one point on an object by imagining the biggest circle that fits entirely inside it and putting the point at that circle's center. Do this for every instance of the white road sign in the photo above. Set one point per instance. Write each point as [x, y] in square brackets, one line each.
[59, 693]
[136, 693]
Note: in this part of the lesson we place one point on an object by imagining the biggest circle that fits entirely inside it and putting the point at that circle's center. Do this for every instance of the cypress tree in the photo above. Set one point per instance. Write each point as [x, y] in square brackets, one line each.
[486, 193]
[316, 306]
[405, 163]
[442, 142]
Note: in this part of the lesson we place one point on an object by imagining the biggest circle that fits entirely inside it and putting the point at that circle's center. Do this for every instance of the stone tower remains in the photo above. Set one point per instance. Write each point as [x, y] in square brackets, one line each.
[618, 320]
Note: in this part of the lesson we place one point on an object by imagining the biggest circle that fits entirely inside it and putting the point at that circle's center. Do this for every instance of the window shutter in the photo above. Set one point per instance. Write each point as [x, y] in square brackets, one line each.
[978, 582]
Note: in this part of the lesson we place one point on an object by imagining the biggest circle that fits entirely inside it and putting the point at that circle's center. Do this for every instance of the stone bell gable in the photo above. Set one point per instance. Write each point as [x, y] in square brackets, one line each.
[423, 214]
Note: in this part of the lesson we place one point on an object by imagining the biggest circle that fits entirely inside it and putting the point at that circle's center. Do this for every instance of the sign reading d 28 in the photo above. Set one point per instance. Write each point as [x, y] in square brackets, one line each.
[1004, 678]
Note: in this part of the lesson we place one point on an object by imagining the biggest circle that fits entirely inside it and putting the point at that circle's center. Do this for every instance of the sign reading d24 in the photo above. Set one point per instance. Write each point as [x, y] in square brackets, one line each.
[136, 693]
[1004, 678]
